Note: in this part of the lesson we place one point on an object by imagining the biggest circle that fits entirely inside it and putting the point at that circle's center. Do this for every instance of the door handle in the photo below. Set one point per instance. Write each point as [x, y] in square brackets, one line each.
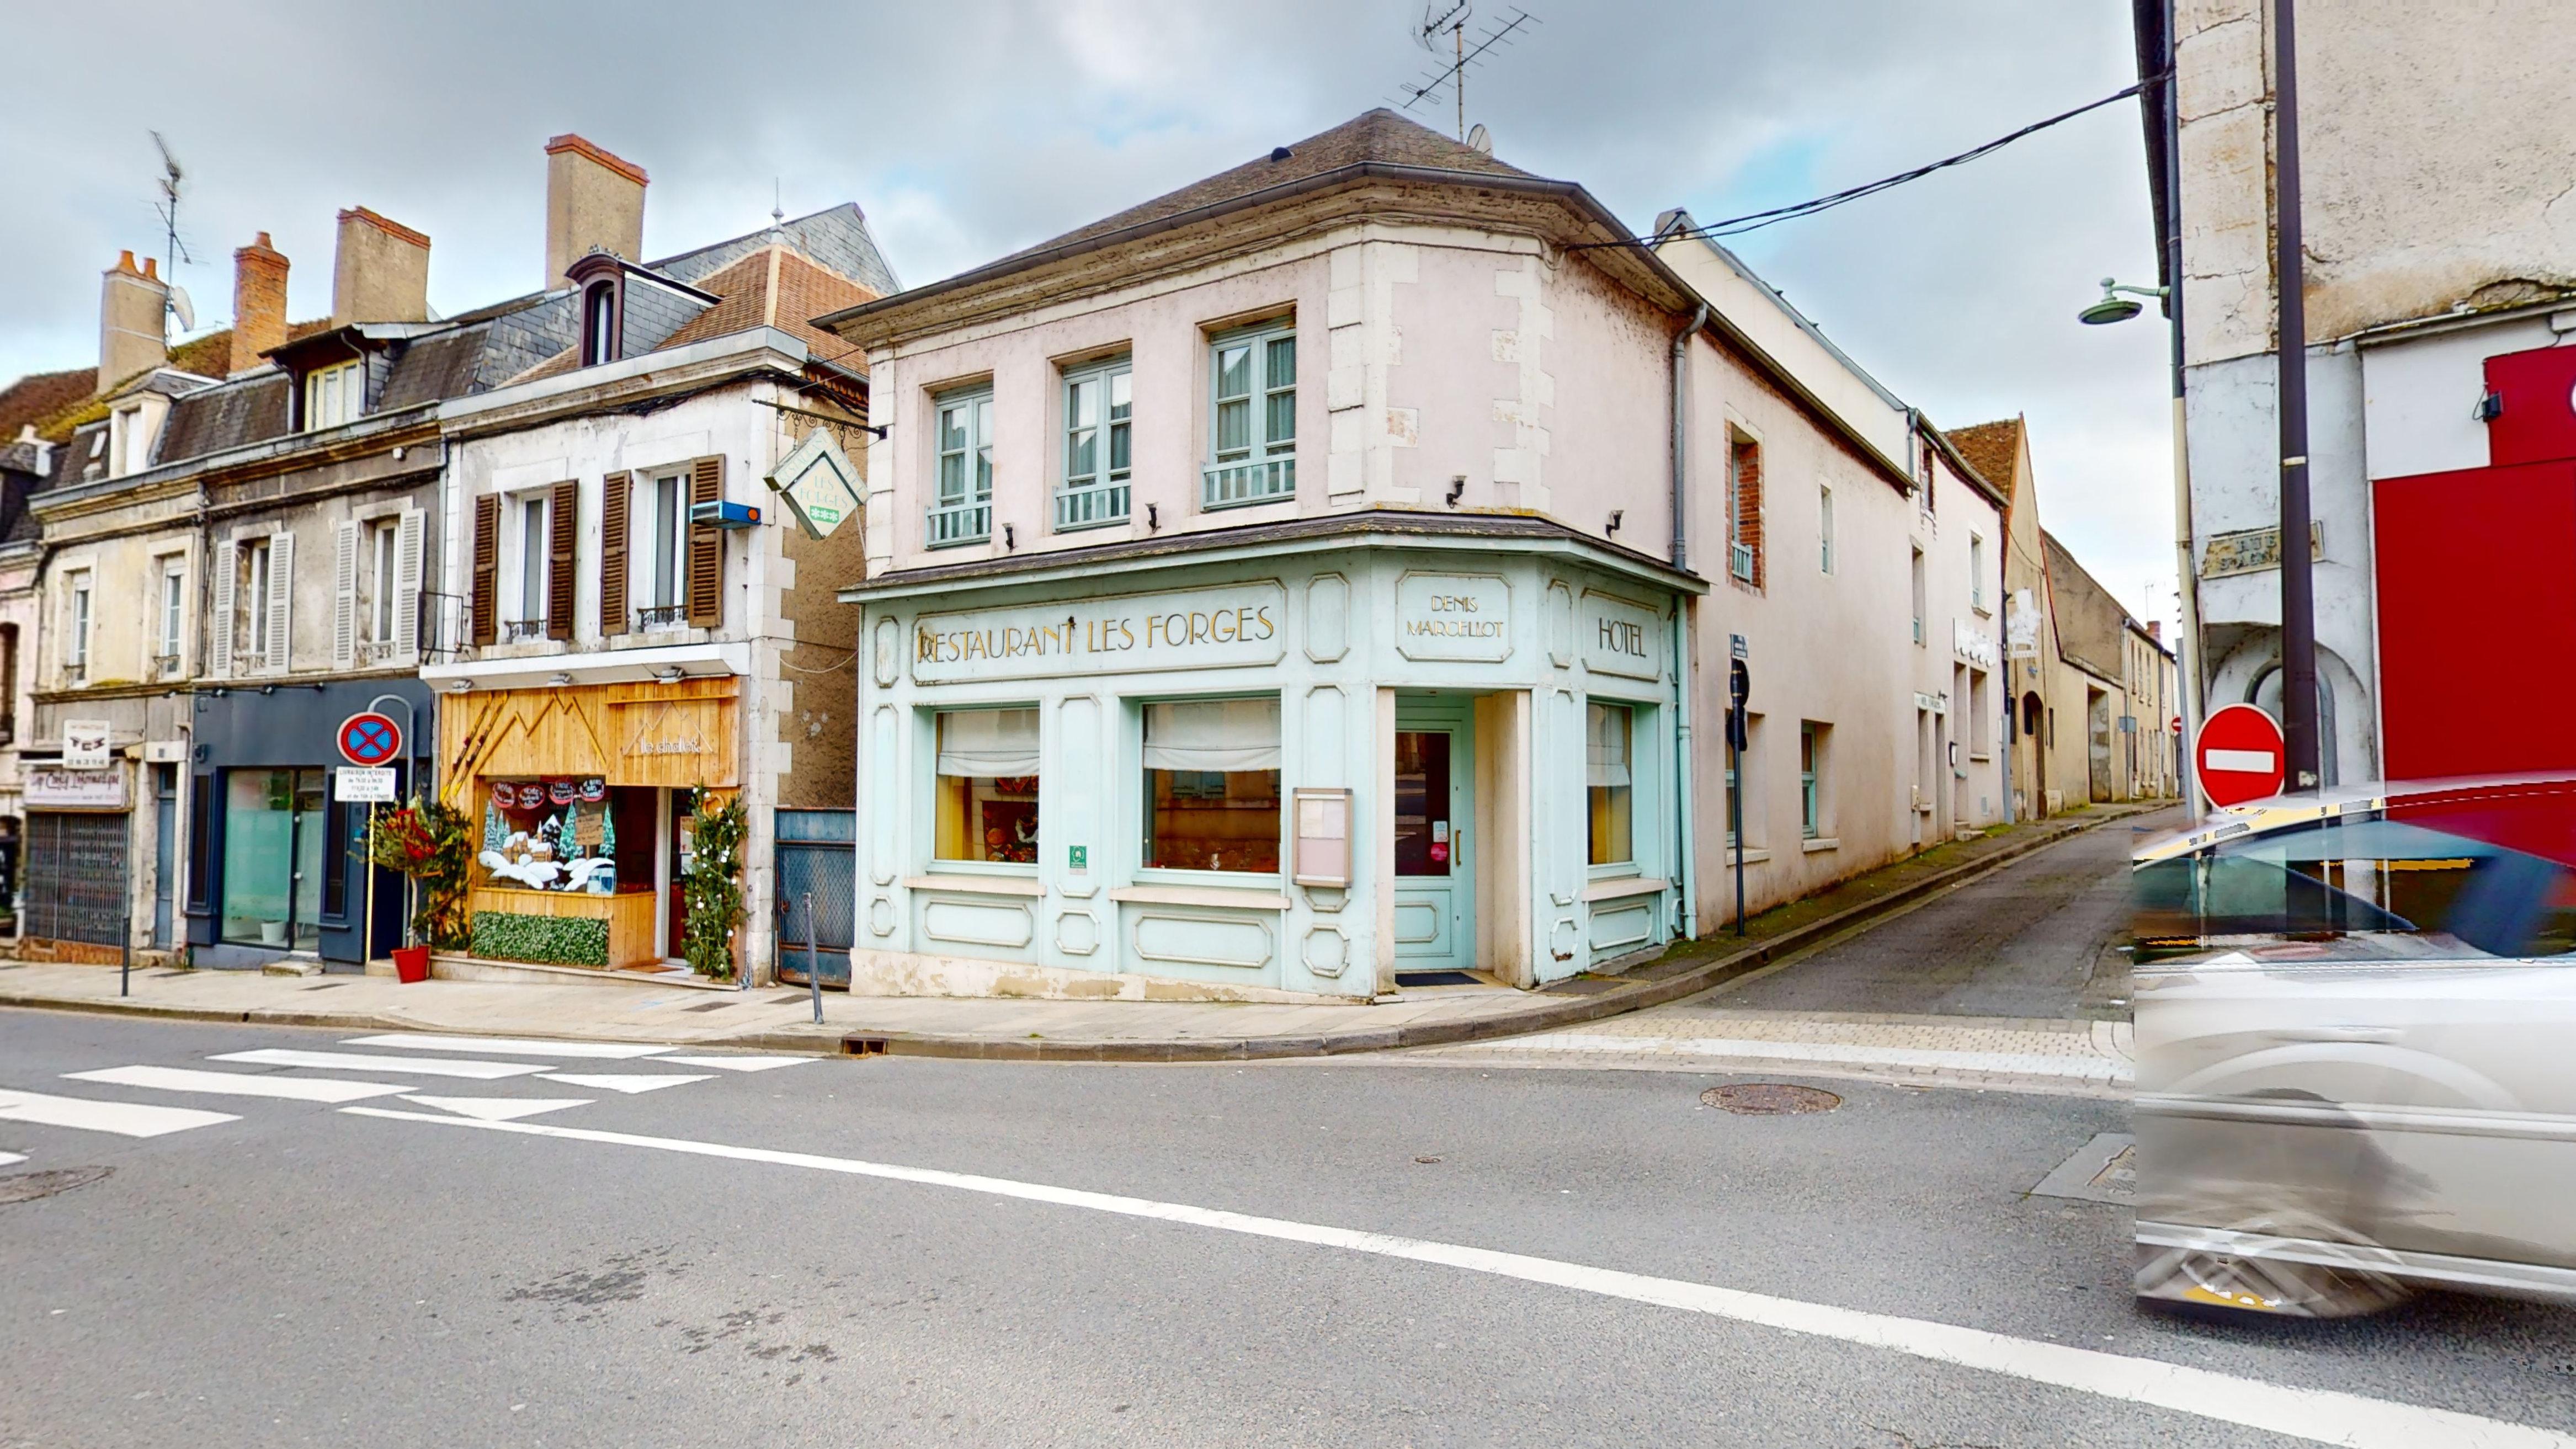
[2339, 1034]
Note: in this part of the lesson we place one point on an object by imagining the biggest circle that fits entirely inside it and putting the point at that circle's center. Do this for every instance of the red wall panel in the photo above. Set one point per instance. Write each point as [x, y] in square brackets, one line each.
[2538, 424]
[2477, 620]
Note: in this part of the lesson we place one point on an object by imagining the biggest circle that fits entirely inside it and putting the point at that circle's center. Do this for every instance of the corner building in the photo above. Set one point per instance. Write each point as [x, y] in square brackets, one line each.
[1275, 591]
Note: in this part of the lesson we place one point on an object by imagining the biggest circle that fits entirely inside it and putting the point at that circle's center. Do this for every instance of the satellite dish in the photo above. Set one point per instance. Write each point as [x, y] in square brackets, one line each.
[182, 308]
[1480, 139]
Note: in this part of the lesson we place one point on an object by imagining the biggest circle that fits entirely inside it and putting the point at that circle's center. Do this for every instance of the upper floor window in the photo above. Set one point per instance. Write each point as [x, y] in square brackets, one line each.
[530, 622]
[130, 442]
[334, 395]
[1919, 600]
[1099, 425]
[662, 548]
[265, 646]
[599, 324]
[76, 625]
[1976, 573]
[963, 510]
[1252, 421]
[1744, 509]
[381, 555]
[170, 610]
[1825, 529]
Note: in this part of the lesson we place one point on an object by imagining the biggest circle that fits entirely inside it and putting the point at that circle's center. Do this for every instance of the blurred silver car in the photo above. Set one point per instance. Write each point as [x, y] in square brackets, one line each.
[2356, 1037]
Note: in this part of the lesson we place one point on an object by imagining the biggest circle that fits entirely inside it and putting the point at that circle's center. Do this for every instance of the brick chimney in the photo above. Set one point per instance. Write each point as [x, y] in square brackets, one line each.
[259, 302]
[381, 273]
[132, 313]
[2156, 630]
[593, 199]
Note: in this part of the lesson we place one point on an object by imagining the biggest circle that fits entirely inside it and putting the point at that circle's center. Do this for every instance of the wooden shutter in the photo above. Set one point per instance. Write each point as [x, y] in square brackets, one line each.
[407, 533]
[706, 547]
[563, 519]
[281, 599]
[616, 493]
[219, 629]
[486, 601]
[344, 595]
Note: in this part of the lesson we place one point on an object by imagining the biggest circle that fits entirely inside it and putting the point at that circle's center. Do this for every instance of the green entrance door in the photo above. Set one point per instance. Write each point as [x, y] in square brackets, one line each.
[1435, 862]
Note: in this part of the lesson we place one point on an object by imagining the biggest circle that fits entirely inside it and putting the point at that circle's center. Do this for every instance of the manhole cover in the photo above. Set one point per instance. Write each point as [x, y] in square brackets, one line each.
[1770, 1099]
[29, 1186]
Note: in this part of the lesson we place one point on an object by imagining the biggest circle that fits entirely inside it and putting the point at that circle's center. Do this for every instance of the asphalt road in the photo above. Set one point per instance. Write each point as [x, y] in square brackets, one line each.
[310, 1275]
[2037, 938]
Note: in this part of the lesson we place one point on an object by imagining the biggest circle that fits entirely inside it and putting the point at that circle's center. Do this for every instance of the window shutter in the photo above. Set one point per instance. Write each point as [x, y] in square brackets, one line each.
[706, 547]
[407, 584]
[219, 629]
[616, 493]
[486, 601]
[344, 595]
[281, 598]
[563, 522]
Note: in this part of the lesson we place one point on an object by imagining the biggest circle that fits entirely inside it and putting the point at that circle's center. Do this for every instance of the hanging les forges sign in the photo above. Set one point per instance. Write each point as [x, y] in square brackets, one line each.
[817, 484]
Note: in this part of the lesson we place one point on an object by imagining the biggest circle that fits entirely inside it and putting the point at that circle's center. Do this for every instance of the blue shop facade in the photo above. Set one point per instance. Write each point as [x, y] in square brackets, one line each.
[277, 864]
[1338, 759]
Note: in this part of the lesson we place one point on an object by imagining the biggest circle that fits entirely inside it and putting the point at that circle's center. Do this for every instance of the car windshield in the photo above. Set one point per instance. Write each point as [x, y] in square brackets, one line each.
[2360, 874]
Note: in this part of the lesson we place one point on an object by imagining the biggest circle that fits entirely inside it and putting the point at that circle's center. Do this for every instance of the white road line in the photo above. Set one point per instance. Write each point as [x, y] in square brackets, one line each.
[407, 1066]
[126, 1119]
[2321, 1415]
[509, 1046]
[236, 1084]
[11, 1159]
[2028, 1064]
[734, 1064]
[628, 1082]
[500, 1109]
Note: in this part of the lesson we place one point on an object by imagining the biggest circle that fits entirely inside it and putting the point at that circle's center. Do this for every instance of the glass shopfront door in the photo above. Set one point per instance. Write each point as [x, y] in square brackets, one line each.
[273, 840]
[1435, 869]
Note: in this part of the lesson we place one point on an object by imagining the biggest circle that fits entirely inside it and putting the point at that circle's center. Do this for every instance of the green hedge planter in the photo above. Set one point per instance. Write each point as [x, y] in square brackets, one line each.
[554, 940]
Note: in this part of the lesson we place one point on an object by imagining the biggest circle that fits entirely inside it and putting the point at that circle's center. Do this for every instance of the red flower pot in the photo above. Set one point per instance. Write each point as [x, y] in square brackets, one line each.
[411, 964]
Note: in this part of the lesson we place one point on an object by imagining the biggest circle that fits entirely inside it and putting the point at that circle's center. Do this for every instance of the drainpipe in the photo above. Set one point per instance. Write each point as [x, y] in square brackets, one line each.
[1685, 797]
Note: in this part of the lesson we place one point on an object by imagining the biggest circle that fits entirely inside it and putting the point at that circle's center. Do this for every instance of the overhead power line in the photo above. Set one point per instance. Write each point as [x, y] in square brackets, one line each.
[1756, 220]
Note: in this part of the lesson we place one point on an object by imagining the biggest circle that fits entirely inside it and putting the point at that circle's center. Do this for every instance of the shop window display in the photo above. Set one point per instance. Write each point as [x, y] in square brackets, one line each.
[1212, 785]
[988, 786]
[550, 835]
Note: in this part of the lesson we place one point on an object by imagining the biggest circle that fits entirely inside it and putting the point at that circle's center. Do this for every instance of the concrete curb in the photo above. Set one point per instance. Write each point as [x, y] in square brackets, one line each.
[1542, 1015]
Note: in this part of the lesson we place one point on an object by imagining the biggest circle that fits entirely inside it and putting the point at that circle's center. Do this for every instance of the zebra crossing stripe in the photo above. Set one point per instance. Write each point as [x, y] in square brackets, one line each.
[509, 1046]
[500, 1109]
[733, 1064]
[407, 1066]
[125, 1119]
[10, 1159]
[627, 1082]
[236, 1084]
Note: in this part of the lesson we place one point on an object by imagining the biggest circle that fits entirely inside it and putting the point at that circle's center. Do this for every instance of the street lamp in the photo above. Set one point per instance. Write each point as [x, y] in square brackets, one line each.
[2115, 305]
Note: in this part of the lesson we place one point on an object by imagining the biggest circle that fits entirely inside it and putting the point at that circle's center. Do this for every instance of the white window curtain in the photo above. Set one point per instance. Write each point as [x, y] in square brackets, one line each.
[1605, 745]
[1221, 734]
[988, 744]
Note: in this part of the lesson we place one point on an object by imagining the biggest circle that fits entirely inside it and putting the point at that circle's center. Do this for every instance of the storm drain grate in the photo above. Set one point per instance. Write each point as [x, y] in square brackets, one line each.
[1770, 1099]
[29, 1186]
[708, 1006]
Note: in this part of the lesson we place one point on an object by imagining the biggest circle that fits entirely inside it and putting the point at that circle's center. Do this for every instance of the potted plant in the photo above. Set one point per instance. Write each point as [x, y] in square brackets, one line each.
[428, 844]
[712, 890]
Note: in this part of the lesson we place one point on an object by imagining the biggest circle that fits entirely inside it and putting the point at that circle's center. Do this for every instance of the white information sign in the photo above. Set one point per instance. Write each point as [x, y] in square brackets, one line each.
[1216, 628]
[1453, 616]
[364, 785]
[2021, 626]
[85, 744]
[56, 787]
[1972, 644]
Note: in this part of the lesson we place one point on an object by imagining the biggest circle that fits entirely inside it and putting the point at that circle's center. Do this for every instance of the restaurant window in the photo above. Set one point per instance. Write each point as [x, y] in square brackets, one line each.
[988, 786]
[963, 510]
[1253, 417]
[1609, 786]
[1212, 785]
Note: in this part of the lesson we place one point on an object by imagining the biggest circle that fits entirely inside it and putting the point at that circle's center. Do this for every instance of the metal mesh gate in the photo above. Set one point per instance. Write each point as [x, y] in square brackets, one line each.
[817, 854]
[76, 878]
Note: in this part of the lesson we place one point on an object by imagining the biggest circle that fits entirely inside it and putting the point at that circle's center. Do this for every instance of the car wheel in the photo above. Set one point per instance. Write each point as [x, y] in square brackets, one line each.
[2220, 1284]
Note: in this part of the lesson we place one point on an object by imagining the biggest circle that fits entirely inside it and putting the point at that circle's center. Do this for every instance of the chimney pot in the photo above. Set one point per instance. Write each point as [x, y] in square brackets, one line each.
[594, 201]
[259, 302]
[381, 271]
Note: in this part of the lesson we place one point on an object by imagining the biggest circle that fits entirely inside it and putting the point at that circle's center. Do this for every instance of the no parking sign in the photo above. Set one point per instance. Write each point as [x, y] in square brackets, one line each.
[369, 739]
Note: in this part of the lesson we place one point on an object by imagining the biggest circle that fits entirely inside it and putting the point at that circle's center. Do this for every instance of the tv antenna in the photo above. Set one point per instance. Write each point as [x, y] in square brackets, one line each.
[1449, 18]
[173, 251]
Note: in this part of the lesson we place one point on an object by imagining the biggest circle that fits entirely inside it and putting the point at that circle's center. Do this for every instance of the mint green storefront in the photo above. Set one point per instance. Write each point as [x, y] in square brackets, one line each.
[1308, 764]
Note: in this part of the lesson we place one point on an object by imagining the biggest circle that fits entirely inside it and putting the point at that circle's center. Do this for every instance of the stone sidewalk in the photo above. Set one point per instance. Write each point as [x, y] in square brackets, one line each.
[780, 1019]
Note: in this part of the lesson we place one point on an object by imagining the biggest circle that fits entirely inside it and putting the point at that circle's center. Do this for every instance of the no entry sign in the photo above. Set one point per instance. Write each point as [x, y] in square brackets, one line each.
[370, 739]
[2239, 755]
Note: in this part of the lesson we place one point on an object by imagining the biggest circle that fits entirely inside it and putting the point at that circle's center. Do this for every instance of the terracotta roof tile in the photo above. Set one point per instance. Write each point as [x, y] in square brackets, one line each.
[805, 291]
[1993, 449]
[39, 395]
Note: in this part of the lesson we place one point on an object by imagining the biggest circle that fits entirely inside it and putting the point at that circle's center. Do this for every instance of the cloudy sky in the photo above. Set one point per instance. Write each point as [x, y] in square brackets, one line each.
[968, 128]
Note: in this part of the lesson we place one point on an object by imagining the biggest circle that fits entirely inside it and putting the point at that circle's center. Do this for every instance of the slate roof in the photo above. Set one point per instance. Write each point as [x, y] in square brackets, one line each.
[1381, 136]
[1993, 449]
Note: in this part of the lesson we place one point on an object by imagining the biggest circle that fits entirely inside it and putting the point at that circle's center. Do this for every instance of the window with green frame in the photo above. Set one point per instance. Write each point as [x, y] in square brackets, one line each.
[1811, 766]
[1252, 418]
[963, 510]
[1099, 420]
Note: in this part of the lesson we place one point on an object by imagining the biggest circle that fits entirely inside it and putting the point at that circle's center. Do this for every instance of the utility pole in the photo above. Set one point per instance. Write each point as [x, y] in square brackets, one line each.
[2298, 575]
